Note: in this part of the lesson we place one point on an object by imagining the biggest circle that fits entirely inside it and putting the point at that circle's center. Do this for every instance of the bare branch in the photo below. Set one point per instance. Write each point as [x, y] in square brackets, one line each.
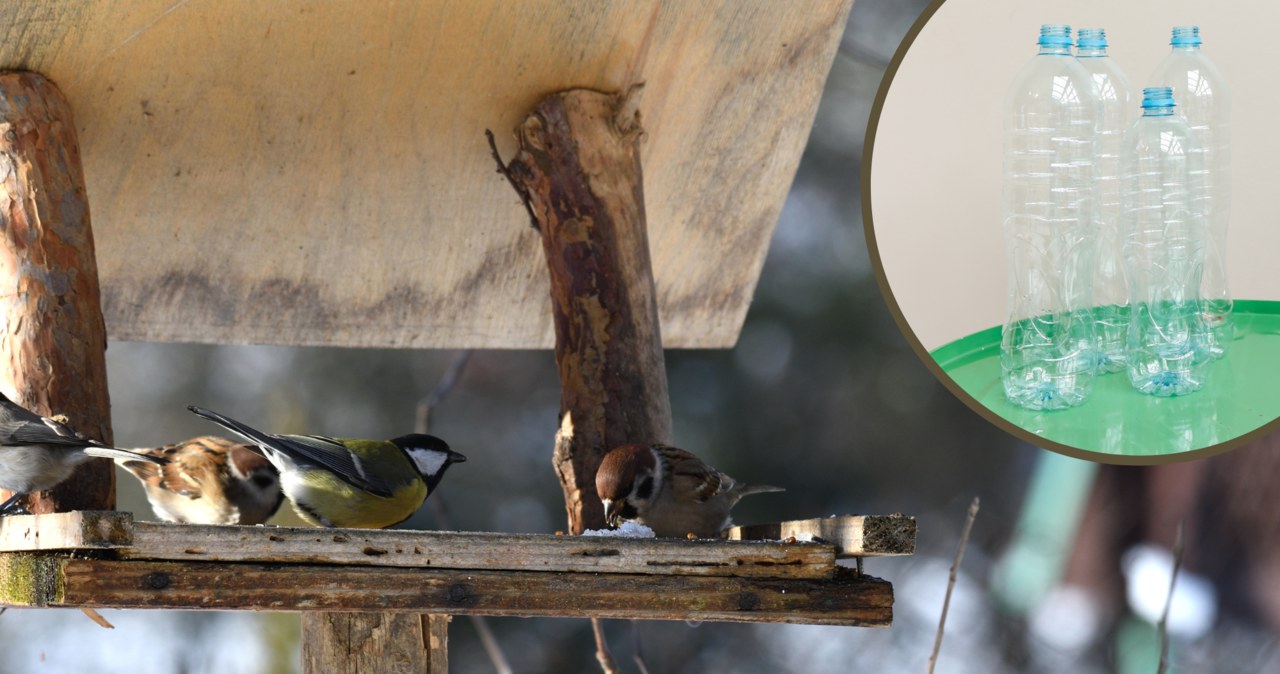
[1163, 628]
[639, 657]
[603, 656]
[97, 618]
[951, 582]
[442, 389]
[506, 173]
[422, 423]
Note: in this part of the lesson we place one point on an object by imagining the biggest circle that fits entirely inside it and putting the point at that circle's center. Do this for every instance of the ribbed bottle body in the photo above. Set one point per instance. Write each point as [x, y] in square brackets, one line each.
[1164, 249]
[1204, 102]
[1047, 347]
[1117, 110]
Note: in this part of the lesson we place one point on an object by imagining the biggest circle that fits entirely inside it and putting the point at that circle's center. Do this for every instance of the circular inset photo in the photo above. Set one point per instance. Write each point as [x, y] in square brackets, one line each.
[1069, 209]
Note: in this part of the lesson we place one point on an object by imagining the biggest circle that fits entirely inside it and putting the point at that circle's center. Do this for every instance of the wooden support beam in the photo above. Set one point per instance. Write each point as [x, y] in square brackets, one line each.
[28, 579]
[420, 549]
[53, 339]
[356, 643]
[578, 171]
[852, 535]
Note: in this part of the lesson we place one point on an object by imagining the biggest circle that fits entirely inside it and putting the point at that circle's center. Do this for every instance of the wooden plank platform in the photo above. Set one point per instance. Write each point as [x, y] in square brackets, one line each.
[56, 580]
[852, 535]
[402, 548]
[106, 560]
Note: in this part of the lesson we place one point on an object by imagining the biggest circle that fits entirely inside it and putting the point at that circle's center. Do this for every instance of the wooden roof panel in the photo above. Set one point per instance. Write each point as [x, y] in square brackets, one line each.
[317, 173]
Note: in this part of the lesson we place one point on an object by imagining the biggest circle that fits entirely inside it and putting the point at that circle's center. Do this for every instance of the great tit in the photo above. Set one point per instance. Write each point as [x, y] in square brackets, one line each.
[338, 482]
[208, 480]
[37, 453]
[669, 490]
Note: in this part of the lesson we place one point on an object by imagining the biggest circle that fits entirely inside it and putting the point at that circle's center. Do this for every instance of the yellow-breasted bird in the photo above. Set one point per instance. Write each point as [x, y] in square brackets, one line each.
[208, 480]
[342, 482]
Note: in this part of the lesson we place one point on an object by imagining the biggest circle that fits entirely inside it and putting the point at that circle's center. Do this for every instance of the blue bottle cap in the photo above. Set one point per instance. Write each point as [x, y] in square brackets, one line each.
[1157, 97]
[1185, 36]
[1091, 38]
[1055, 35]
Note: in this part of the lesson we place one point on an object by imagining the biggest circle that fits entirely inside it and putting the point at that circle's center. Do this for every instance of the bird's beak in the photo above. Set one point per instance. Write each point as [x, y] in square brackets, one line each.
[455, 457]
[611, 512]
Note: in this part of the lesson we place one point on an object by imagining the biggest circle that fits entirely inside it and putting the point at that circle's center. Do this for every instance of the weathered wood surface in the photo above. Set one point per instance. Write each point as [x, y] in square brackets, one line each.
[578, 170]
[403, 548]
[852, 535]
[394, 643]
[28, 579]
[52, 339]
[247, 149]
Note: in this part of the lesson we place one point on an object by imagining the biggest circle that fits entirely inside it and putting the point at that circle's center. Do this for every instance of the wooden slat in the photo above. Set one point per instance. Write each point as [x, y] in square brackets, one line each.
[83, 529]
[360, 643]
[44, 580]
[852, 535]
[403, 548]
[248, 149]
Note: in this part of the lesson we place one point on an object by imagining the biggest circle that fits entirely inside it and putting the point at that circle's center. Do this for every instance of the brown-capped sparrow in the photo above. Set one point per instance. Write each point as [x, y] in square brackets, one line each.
[669, 490]
[209, 480]
[37, 452]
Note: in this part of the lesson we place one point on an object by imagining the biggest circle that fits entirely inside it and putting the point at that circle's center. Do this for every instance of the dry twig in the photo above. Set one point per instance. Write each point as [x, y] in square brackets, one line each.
[422, 422]
[1162, 630]
[603, 656]
[951, 582]
[97, 618]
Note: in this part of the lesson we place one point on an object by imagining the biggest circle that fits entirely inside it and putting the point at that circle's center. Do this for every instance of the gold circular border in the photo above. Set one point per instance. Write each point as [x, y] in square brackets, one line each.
[972, 403]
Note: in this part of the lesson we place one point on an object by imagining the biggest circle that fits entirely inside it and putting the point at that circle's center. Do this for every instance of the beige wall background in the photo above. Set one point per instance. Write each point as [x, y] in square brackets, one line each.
[937, 162]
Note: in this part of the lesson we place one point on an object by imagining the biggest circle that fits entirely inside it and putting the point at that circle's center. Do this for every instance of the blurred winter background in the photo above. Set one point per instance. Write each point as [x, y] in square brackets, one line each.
[821, 395]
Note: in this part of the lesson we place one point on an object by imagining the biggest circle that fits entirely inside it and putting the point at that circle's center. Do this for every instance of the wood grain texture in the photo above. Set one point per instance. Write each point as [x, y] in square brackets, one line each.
[52, 338]
[79, 530]
[322, 166]
[361, 643]
[579, 172]
[41, 580]
[852, 535]
[422, 549]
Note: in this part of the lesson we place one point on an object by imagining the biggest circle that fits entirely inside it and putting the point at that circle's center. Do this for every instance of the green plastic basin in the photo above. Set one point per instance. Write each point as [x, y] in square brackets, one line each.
[1241, 396]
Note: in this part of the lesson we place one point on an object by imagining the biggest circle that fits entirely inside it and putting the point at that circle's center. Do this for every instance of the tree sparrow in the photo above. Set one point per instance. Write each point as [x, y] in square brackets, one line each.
[209, 480]
[669, 490]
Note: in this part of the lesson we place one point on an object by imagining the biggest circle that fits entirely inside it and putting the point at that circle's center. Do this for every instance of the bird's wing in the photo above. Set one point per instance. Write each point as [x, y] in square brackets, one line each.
[43, 432]
[181, 474]
[332, 455]
[308, 450]
[702, 481]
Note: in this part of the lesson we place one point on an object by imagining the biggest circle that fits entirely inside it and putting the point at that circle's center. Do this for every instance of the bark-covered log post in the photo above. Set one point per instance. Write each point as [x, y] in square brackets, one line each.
[578, 171]
[53, 343]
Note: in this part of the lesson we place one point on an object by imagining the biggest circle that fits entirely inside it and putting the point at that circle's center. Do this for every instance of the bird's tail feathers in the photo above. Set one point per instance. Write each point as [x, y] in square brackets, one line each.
[758, 489]
[256, 437]
[121, 455]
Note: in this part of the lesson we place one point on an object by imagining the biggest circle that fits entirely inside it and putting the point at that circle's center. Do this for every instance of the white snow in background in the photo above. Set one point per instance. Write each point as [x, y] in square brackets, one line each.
[143, 642]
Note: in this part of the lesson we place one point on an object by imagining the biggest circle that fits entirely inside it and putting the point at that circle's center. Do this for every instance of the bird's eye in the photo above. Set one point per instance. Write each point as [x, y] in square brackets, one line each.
[645, 488]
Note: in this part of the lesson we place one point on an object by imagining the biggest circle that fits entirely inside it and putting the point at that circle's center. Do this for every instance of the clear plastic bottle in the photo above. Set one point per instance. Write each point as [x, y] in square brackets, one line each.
[1164, 251]
[1110, 292]
[1205, 103]
[1047, 344]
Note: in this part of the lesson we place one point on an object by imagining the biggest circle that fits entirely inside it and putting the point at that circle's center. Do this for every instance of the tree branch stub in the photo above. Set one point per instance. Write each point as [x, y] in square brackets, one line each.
[578, 169]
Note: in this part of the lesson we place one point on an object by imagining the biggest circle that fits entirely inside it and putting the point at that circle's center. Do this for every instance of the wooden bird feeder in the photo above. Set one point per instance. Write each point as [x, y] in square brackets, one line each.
[317, 174]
